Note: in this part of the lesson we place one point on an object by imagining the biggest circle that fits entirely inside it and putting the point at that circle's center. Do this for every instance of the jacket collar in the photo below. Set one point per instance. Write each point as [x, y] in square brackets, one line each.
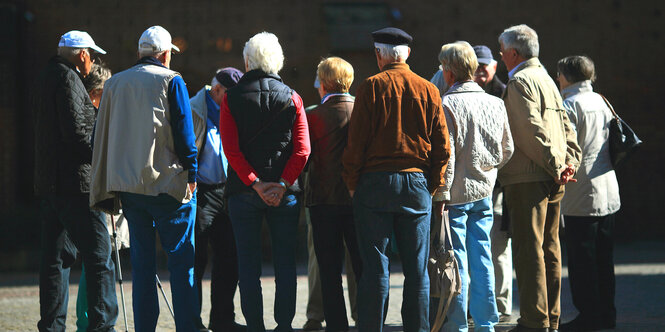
[339, 98]
[255, 74]
[65, 62]
[577, 87]
[466, 86]
[396, 65]
[150, 60]
[533, 62]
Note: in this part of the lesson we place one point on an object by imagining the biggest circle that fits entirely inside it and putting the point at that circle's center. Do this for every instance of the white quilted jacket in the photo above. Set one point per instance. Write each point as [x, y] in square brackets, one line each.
[480, 142]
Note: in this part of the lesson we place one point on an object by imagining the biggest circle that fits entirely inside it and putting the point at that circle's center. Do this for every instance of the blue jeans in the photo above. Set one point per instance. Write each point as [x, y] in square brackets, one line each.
[470, 225]
[68, 221]
[247, 211]
[175, 223]
[387, 202]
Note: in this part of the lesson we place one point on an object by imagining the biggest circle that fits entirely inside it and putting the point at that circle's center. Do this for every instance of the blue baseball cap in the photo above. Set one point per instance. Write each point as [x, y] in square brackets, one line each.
[484, 54]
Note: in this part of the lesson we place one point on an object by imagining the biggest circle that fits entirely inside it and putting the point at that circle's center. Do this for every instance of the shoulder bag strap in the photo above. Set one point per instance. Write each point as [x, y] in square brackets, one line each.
[616, 116]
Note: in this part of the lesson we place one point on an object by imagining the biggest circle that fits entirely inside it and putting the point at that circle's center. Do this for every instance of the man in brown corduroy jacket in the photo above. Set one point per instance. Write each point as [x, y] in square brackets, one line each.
[397, 151]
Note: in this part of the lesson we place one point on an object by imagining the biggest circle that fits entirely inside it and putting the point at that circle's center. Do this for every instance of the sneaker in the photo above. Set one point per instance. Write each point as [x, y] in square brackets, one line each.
[312, 325]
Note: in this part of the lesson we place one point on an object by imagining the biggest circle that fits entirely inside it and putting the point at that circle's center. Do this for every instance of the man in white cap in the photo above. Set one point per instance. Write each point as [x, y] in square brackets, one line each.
[64, 119]
[144, 157]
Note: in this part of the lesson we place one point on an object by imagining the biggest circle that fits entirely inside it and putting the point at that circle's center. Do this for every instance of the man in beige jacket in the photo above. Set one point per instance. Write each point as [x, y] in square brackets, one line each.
[545, 158]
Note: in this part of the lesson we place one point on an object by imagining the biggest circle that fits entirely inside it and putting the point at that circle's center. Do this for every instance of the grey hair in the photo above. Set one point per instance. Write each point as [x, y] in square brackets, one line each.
[521, 38]
[144, 53]
[393, 52]
[68, 52]
[98, 75]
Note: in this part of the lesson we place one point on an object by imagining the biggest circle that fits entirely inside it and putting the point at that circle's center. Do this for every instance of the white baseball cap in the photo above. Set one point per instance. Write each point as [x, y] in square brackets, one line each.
[156, 39]
[79, 39]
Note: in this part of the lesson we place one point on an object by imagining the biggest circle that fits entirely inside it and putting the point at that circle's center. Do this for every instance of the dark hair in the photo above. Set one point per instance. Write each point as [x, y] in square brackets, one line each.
[576, 68]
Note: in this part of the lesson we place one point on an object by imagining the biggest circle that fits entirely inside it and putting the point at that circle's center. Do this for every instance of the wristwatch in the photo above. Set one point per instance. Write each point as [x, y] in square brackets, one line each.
[283, 183]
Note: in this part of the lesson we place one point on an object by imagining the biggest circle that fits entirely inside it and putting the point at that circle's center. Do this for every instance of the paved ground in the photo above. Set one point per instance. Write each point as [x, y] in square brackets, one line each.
[640, 296]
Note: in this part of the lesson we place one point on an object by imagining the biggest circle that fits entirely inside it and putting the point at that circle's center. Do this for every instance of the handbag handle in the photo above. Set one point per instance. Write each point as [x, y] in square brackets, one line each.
[616, 116]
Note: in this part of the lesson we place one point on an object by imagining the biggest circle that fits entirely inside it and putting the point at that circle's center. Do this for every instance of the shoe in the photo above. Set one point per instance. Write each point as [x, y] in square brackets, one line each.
[579, 324]
[312, 325]
[521, 328]
[234, 327]
[503, 318]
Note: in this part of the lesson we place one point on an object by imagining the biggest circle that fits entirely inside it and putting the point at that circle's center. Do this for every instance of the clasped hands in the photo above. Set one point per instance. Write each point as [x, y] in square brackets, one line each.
[270, 192]
[566, 175]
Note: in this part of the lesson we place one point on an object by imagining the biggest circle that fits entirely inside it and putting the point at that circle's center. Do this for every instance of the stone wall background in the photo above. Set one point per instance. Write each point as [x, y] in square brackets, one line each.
[626, 39]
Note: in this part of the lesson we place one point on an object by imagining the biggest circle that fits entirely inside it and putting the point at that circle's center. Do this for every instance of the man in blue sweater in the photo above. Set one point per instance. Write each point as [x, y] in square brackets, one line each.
[144, 156]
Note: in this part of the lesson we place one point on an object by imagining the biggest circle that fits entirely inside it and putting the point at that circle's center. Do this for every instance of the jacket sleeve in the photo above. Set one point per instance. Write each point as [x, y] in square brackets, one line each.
[443, 193]
[75, 117]
[182, 126]
[573, 150]
[507, 144]
[301, 143]
[526, 124]
[231, 145]
[360, 132]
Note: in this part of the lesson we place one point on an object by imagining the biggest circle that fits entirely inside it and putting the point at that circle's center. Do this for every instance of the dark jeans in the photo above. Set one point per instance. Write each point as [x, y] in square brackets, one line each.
[213, 227]
[332, 225]
[175, 223]
[589, 241]
[70, 215]
[247, 211]
[387, 202]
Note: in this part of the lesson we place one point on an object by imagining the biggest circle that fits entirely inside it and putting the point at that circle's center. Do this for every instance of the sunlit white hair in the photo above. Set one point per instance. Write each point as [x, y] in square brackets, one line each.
[393, 52]
[68, 52]
[522, 38]
[264, 52]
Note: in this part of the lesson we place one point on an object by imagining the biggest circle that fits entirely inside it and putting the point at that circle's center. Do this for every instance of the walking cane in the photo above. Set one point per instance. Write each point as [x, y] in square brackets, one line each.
[159, 283]
[119, 271]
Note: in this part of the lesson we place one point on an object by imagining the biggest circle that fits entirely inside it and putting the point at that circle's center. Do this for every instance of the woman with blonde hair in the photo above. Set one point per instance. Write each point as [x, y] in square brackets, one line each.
[481, 143]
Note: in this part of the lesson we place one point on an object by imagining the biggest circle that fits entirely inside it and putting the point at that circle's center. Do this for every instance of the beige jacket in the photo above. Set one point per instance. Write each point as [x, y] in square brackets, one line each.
[133, 144]
[544, 140]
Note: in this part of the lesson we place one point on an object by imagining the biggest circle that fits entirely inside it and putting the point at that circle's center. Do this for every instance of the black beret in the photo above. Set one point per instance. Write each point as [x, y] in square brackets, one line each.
[391, 36]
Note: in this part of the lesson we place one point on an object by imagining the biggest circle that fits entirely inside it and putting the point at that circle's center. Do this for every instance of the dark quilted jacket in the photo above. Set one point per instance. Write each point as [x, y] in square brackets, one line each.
[64, 119]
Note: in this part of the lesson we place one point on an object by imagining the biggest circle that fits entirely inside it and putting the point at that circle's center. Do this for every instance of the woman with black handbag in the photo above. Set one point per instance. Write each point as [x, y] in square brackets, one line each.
[590, 204]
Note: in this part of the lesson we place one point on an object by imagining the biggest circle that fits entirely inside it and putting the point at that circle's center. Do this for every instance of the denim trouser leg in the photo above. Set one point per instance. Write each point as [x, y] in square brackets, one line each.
[87, 230]
[247, 211]
[470, 226]
[283, 224]
[175, 223]
[387, 202]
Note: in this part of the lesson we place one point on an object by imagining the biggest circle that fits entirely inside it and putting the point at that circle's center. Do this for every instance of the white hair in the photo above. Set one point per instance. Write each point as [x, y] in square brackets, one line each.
[393, 52]
[68, 52]
[264, 52]
[522, 38]
[155, 54]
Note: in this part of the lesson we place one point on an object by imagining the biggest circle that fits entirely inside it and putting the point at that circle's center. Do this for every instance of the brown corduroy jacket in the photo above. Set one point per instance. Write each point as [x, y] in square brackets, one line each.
[397, 125]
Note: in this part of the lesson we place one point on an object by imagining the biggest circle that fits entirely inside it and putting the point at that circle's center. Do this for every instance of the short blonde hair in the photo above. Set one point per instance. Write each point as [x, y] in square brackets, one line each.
[335, 74]
[264, 52]
[460, 59]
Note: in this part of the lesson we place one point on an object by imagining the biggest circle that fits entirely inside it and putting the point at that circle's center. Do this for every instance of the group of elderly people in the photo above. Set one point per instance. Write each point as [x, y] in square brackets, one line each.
[379, 167]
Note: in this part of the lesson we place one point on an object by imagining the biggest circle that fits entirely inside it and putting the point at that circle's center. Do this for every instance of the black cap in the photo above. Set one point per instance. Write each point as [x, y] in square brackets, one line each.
[484, 54]
[228, 77]
[391, 36]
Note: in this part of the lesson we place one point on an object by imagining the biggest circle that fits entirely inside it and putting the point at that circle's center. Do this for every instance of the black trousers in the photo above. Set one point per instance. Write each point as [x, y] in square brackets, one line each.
[589, 241]
[332, 224]
[65, 218]
[213, 228]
